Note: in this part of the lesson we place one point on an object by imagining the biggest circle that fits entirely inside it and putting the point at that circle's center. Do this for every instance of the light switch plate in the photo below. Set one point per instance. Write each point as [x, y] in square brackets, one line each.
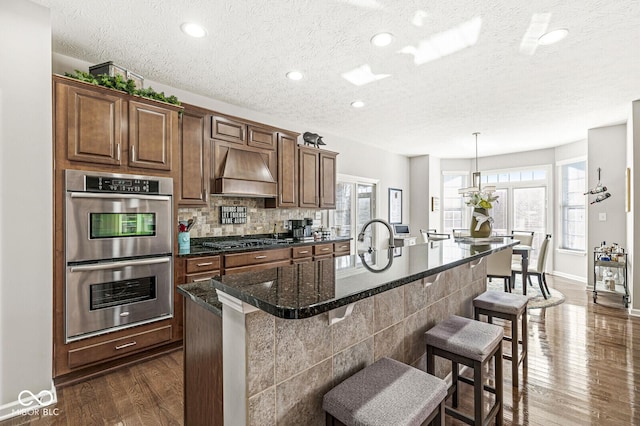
[602, 217]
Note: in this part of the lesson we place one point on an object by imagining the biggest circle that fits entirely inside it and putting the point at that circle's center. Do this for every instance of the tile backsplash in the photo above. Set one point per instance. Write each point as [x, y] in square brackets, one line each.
[260, 220]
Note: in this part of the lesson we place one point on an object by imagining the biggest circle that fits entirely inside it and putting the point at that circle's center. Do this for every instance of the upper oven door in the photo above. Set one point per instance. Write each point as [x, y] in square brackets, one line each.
[113, 225]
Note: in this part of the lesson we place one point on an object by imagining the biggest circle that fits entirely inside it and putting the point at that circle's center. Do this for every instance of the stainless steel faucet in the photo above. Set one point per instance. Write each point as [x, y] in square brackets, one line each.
[385, 223]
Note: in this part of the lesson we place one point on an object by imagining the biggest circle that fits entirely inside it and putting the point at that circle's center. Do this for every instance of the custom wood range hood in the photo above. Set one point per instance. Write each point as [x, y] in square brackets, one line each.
[245, 173]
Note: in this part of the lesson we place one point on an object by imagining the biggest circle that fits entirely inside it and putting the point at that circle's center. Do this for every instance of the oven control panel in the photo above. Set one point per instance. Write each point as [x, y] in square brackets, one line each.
[119, 184]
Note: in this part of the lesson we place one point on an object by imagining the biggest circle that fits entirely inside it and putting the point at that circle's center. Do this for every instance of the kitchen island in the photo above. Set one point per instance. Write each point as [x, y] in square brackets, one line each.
[291, 333]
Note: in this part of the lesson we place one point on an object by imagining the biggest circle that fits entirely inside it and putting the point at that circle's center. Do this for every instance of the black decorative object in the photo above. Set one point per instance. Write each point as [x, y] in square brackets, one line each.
[313, 139]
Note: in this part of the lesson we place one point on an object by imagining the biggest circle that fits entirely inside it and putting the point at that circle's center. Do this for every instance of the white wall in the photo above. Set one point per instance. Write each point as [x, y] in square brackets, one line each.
[633, 217]
[607, 148]
[26, 248]
[355, 158]
[420, 192]
[568, 264]
[435, 185]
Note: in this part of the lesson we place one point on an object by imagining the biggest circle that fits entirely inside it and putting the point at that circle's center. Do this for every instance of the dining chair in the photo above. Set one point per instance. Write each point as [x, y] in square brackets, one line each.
[538, 270]
[499, 266]
[525, 238]
[425, 235]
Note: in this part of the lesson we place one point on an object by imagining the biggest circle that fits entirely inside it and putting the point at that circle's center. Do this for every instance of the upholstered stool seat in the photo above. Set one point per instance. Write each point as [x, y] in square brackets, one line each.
[387, 392]
[474, 344]
[510, 307]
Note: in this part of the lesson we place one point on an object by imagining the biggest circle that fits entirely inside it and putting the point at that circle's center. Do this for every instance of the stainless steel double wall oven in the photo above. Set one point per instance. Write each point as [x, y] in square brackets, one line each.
[118, 251]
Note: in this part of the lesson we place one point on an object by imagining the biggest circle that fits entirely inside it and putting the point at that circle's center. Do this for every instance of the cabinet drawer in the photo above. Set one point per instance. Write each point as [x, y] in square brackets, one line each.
[259, 137]
[301, 252]
[228, 129]
[255, 257]
[118, 347]
[203, 264]
[205, 276]
[322, 249]
[341, 249]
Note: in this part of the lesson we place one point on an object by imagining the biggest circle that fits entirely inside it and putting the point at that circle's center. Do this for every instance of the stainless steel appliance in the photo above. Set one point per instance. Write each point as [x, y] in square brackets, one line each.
[301, 228]
[118, 251]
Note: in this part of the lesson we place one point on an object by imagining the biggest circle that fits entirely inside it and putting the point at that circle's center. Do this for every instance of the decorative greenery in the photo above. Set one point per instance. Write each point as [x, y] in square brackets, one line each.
[482, 200]
[118, 82]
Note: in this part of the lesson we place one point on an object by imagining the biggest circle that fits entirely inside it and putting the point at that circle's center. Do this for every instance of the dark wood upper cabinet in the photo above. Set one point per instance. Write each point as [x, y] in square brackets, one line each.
[327, 180]
[228, 129]
[152, 132]
[287, 172]
[106, 127]
[91, 122]
[260, 137]
[317, 178]
[194, 158]
[308, 160]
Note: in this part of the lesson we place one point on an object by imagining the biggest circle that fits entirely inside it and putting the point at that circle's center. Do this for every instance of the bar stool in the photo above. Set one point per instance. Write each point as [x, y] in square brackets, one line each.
[507, 306]
[387, 392]
[474, 344]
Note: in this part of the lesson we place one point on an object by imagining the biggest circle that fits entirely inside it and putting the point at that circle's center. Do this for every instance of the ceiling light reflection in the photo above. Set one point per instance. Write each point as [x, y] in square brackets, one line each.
[537, 26]
[362, 75]
[446, 42]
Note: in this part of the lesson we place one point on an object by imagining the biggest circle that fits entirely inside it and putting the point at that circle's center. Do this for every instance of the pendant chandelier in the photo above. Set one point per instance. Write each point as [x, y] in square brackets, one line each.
[476, 185]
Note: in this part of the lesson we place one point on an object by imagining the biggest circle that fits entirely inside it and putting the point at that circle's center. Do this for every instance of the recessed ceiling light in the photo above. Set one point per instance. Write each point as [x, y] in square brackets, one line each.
[553, 36]
[294, 75]
[194, 30]
[382, 39]
[357, 104]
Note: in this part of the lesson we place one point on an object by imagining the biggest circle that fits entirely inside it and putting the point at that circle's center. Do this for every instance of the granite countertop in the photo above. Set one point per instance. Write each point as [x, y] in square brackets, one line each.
[308, 289]
[196, 248]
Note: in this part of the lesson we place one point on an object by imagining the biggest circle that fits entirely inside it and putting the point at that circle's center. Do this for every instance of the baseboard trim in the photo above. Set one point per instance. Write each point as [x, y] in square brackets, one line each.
[571, 277]
[27, 405]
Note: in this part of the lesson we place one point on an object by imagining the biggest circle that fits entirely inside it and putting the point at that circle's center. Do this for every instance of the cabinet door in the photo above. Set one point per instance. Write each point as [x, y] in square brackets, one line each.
[309, 176]
[259, 137]
[328, 180]
[93, 124]
[287, 170]
[228, 129]
[152, 132]
[194, 159]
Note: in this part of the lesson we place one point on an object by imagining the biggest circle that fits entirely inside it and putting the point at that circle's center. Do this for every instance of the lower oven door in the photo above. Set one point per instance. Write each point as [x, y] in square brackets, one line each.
[108, 296]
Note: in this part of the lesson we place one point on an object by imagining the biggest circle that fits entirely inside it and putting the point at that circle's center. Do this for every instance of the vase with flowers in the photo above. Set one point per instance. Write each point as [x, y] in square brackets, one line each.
[481, 222]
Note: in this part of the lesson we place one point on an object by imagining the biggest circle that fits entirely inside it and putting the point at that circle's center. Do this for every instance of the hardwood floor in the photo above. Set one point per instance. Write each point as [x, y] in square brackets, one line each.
[582, 371]
[148, 393]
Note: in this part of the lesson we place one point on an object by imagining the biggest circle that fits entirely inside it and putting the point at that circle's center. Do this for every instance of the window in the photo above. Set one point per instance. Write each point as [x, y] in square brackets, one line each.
[453, 208]
[522, 202]
[572, 204]
[355, 205]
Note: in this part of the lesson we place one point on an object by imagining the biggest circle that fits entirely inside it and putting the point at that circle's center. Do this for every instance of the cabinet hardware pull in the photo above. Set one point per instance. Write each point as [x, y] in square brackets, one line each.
[199, 280]
[325, 249]
[204, 264]
[260, 257]
[133, 153]
[343, 247]
[304, 252]
[118, 151]
[126, 345]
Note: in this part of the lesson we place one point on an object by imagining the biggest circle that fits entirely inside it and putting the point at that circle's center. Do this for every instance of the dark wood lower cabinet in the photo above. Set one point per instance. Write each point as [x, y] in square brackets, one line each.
[202, 348]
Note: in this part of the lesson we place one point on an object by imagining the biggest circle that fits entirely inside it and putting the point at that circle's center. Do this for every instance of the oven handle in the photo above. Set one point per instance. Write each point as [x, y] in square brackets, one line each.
[119, 196]
[116, 265]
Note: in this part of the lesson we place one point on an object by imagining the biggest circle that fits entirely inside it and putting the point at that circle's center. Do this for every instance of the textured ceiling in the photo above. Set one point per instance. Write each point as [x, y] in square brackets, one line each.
[518, 101]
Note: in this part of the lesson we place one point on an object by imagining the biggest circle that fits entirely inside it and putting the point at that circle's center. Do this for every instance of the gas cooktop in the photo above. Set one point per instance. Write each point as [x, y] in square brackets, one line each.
[242, 243]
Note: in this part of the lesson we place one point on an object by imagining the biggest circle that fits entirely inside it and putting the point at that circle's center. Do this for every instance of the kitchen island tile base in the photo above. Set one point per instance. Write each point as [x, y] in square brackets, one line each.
[277, 370]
